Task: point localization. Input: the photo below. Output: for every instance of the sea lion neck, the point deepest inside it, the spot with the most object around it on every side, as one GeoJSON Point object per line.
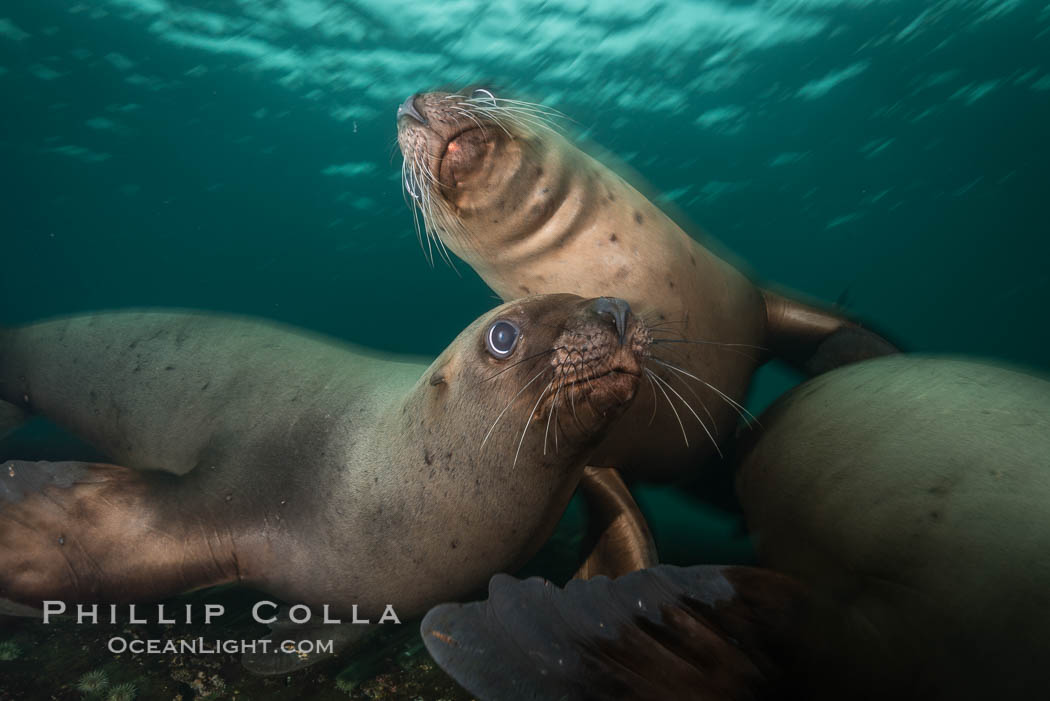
{"type": "Point", "coordinates": [539, 203]}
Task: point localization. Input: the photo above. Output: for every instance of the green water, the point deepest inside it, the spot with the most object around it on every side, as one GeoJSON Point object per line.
{"type": "Point", "coordinates": [239, 156]}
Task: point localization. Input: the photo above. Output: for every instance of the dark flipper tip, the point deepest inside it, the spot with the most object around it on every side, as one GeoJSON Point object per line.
{"type": "Point", "coordinates": [849, 344]}
{"type": "Point", "coordinates": [664, 633]}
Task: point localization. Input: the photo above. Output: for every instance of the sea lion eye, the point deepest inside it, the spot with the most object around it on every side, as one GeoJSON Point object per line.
{"type": "Point", "coordinates": [502, 338]}
{"type": "Point", "coordinates": [412, 185]}
{"type": "Point", "coordinates": [482, 94]}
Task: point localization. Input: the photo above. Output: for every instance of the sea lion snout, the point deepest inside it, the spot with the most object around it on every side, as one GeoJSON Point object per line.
{"type": "Point", "coordinates": [605, 329]}
{"type": "Point", "coordinates": [602, 352]}
{"type": "Point", "coordinates": [616, 309]}
{"type": "Point", "coordinates": [408, 109]}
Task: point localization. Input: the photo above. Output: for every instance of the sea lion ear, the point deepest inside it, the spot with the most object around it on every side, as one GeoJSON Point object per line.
{"type": "Point", "coordinates": [705, 632]}
{"type": "Point", "coordinates": [441, 372]}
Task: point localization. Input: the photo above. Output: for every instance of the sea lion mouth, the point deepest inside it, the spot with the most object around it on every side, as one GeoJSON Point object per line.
{"type": "Point", "coordinates": [452, 144]}
{"type": "Point", "coordinates": [455, 149]}
{"type": "Point", "coordinates": [599, 359]}
{"type": "Point", "coordinates": [601, 391]}
{"type": "Point", "coordinates": [606, 373]}
{"type": "Point", "coordinates": [430, 124]}
{"type": "Point", "coordinates": [575, 382]}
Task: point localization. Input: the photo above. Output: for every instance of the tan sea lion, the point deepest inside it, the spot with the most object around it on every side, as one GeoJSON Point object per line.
{"type": "Point", "coordinates": [532, 213]}
{"type": "Point", "coordinates": [319, 473]}
{"type": "Point", "coordinates": [904, 503]}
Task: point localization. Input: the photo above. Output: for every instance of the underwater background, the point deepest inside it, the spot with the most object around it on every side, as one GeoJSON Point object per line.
{"type": "Point", "coordinates": [889, 156]}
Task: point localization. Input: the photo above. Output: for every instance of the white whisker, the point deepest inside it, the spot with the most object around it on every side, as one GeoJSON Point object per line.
{"type": "Point", "coordinates": [740, 408]}
{"type": "Point", "coordinates": [528, 421]}
{"type": "Point", "coordinates": [550, 415]}
{"type": "Point", "coordinates": [655, 398]}
{"type": "Point", "coordinates": [692, 411]}
{"type": "Point", "coordinates": [680, 424]}
{"type": "Point", "coordinates": [512, 400]}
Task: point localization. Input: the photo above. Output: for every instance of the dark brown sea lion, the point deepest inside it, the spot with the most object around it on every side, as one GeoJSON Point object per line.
{"type": "Point", "coordinates": [319, 473]}
{"type": "Point", "coordinates": [905, 504]}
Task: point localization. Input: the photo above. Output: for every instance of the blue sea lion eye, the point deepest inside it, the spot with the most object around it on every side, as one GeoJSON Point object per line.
{"type": "Point", "coordinates": [483, 94]}
{"type": "Point", "coordinates": [502, 338]}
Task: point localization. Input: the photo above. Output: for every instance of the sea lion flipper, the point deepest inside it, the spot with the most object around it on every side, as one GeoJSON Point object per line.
{"type": "Point", "coordinates": [78, 531]}
{"type": "Point", "coordinates": [815, 340]}
{"type": "Point", "coordinates": [285, 633]}
{"type": "Point", "coordinates": [620, 541]}
{"type": "Point", "coordinates": [703, 632]}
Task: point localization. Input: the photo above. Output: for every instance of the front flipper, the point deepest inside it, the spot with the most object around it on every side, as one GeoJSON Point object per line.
{"type": "Point", "coordinates": [89, 532]}
{"type": "Point", "coordinates": [702, 632]}
{"type": "Point", "coordinates": [816, 341]}
{"type": "Point", "coordinates": [620, 535]}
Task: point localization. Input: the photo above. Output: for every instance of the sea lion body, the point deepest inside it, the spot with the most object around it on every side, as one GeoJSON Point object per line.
{"type": "Point", "coordinates": [913, 495]}
{"type": "Point", "coordinates": [313, 471]}
{"type": "Point", "coordinates": [531, 212]}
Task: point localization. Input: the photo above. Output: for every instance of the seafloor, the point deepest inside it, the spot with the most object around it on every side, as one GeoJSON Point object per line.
{"type": "Point", "coordinates": [50, 662]}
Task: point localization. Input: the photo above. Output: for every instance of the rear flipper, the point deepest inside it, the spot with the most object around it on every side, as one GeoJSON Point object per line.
{"type": "Point", "coordinates": [89, 532]}
{"type": "Point", "coordinates": [816, 341]}
{"type": "Point", "coordinates": [620, 541]}
{"type": "Point", "coordinates": [701, 632]}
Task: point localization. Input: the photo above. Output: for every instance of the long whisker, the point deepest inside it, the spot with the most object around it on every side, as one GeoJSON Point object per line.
{"type": "Point", "coordinates": [469, 115]}
{"type": "Point", "coordinates": [525, 359]}
{"type": "Point", "coordinates": [685, 437]}
{"type": "Point", "coordinates": [572, 400]}
{"type": "Point", "coordinates": [703, 405]}
{"type": "Point", "coordinates": [711, 343]}
{"type": "Point", "coordinates": [740, 408]}
{"type": "Point", "coordinates": [572, 397]}
{"type": "Point", "coordinates": [550, 415]}
{"type": "Point", "coordinates": [486, 112]}
{"type": "Point", "coordinates": [528, 421]}
{"type": "Point", "coordinates": [556, 418]}
{"type": "Point", "coordinates": [655, 398]}
{"type": "Point", "coordinates": [692, 411]}
{"type": "Point", "coordinates": [537, 111]}
{"type": "Point", "coordinates": [512, 400]}
{"type": "Point", "coordinates": [526, 120]}
{"type": "Point", "coordinates": [534, 106]}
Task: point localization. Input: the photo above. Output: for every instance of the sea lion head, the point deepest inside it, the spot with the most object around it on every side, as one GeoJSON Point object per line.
{"type": "Point", "coordinates": [475, 164]}
{"type": "Point", "coordinates": [542, 375]}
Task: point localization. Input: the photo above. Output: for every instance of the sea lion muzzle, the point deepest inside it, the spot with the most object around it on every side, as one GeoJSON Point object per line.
{"type": "Point", "coordinates": [616, 309]}
{"type": "Point", "coordinates": [408, 109]}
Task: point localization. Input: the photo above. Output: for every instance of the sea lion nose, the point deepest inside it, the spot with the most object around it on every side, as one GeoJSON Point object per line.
{"type": "Point", "coordinates": [618, 310]}
{"type": "Point", "coordinates": [408, 109]}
